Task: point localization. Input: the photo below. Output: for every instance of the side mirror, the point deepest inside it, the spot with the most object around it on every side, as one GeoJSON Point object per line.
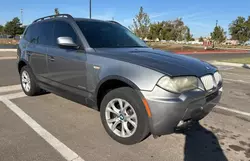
{"type": "Point", "coordinates": [66, 42]}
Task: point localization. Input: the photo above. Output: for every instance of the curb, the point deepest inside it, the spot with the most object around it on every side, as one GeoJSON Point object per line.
{"type": "Point", "coordinates": [231, 64]}
{"type": "Point", "coordinates": [8, 58]}
{"type": "Point", "coordinates": [8, 50]}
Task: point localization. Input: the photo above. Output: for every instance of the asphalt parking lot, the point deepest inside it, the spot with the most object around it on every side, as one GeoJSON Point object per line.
{"type": "Point", "coordinates": [51, 128]}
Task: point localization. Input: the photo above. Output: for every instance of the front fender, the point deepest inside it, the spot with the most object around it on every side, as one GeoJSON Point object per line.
{"type": "Point", "coordinates": [103, 68]}
{"type": "Point", "coordinates": [115, 77]}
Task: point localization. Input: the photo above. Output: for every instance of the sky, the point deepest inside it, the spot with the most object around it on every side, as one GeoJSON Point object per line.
{"type": "Point", "coordinates": [199, 15]}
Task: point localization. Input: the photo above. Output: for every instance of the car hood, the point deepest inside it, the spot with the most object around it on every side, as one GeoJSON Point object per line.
{"type": "Point", "coordinates": [165, 62]}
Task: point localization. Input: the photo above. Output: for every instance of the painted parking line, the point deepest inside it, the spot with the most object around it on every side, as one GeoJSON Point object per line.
{"type": "Point", "coordinates": [65, 151]}
{"type": "Point", "coordinates": [8, 57]}
{"type": "Point", "coordinates": [236, 80]}
{"type": "Point", "coordinates": [225, 68]}
{"type": "Point", "coordinates": [238, 75]}
{"type": "Point", "coordinates": [10, 88]}
{"type": "Point", "coordinates": [234, 111]}
{"type": "Point", "coordinates": [15, 95]}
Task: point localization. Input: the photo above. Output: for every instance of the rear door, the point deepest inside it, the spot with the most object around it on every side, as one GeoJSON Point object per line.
{"type": "Point", "coordinates": [67, 66]}
{"type": "Point", "coordinates": [37, 49]}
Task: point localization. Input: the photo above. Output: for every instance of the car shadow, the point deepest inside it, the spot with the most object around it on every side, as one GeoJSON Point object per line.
{"type": "Point", "coordinates": [201, 145]}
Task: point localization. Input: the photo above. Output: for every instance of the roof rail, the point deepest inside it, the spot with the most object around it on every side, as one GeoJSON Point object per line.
{"type": "Point", "coordinates": [112, 21]}
{"type": "Point", "coordinates": [53, 16]}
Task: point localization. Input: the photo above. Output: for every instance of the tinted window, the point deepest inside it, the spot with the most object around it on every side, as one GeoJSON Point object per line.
{"type": "Point", "coordinates": [34, 36]}
{"type": "Point", "coordinates": [27, 33]}
{"type": "Point", "coordinates": [108, 35]}
{"type": "Point", "coordinates": [30, 32]}
{"type": "Point", "coordinates": [45, 30]}
{"type": "Point", "coordinates": [63, 29]}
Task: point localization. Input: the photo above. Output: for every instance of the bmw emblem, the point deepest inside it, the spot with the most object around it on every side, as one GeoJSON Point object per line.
{"type": "Point", "coordinates": [121, 117]}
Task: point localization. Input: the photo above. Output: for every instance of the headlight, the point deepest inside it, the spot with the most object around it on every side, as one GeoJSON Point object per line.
{"type": "Point", "coordinates": [178, 84]}
{"type": "Point", "coordinates": [217, 77]}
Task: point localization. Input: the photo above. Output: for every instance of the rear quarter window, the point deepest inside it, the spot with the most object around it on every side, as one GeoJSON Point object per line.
{"type": "Point", "coordinates": [27, 33]}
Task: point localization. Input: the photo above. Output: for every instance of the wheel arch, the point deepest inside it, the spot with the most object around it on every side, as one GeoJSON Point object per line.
{"type": "Point", "coordinates": [21, 64]}
{"type": "Point", "coordinates": [110, 83]}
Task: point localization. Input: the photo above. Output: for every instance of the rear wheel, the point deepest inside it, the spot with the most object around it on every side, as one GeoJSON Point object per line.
{"type": "Point", "coordinates": [28, 82]}
{"type": "Point", "coordinates": [123, 116]}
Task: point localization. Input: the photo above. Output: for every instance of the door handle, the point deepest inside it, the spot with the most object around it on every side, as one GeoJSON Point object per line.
{"type": "Point", "coordinates": [51, 58]}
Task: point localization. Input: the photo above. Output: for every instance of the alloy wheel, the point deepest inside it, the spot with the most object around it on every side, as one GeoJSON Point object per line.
{"type": "Point", "coordinates": [26, 81]}
{"type": "Point", "coordinates": [121, 118]}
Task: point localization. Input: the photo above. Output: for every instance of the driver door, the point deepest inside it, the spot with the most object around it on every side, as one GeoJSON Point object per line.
{"type": "Point", "coordinates": [66, 66]}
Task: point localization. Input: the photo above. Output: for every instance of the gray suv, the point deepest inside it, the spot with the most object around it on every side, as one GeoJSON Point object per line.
{"type": "Point", "coordinates": [101, 64]}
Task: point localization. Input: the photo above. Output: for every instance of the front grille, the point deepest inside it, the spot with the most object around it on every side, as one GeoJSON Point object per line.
{"type": "Point", "coordinates": [208, 82]}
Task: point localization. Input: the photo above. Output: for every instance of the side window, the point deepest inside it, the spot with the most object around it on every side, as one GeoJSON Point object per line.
{"type": "Point", "coordinates": [46, 33]}
{"type": "Point", "coordinates": [27, 33]}
{"type": "Point", "coordinates": [34, 36]}
{"type": "Point", "coordinates": [63, 29]}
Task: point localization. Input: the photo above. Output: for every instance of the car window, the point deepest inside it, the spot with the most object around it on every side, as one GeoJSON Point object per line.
{"type": "Point", "coordinates": [27, 33]}
{"type": "Point", "coordinates": [45, 30]}
{"type": "Point", "coordinates": [108, 35]}
{"type": "Point", "coordinates": [30, 33]}
{"type": "Point", "coordinates": [63, 29]}
{"type": "Point", "coordinates": [34, 34]}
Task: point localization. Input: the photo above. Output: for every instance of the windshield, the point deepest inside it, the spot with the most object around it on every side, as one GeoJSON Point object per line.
{"type": "Point", "coordinates": [108, 35]}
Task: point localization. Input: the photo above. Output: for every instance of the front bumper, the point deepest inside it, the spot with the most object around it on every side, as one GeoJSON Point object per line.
{"type": "Point", "coordinates": [168, 109]}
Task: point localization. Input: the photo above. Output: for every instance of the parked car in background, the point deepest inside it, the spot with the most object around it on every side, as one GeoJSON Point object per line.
{"type": "Point", "coordinates": [138, 90]}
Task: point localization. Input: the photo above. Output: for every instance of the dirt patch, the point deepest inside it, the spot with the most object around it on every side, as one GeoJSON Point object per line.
{"type": "Point", "coordinates": [243, 143]}
{"type": "Point", "coordinates": [236, 148]}
{"type": "Point", "coordinates": [247, 153]}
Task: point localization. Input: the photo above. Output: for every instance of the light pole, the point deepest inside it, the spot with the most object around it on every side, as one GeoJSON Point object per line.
{"type": "Point", "coordinates": [21, 16]}
{"type": "Point", "coordinates": [90, 9]}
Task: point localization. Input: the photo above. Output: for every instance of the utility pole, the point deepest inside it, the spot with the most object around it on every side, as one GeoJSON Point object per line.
{"type": "Point", "coordinates": [21, 16]}
{"type": "Point", "coordinates": [90, 9]}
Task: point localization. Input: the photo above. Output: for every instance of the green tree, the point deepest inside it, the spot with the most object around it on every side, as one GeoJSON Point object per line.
{"type": "Point", "coordinates": [56, 10]}
{"type": "Point", "coordinates": [173, 30]}
{"type": "Point", "coordinates": [180, 29]}
{"type": "Point", "coordinates": [239, 29]}
{"type": "Point", "coordinates": [155, 31]}
{"type": "Point", "coordinates": [141, 24]}
{"type": "Point", "coordinates": [218, 35]}
{"type": "Point", "coordinates": [1, 29]}
{"type": "Point", "coordinates": [13, 27]}
{"type": "Point", "coordinates": [188, 35]}
{"type": "Point", "coordinates": [21, 30]}
{"type": "Point", "coordinates": [201, 39]}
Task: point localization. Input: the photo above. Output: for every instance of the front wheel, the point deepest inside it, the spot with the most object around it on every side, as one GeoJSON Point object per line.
{"type": "Point", "coordinates": [124, 116]}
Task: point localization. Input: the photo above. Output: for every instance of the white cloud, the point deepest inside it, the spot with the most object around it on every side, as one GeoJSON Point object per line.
{"type": "Point", "coordinates": [108, 14]}
{"type": "Point", "coordinates": [156, 15]}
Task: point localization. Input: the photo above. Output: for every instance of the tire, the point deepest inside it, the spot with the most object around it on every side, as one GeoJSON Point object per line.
{"type": "Point", "coordinates": [127, 120]}
{"type": "Point", "coordinates": [34, 88]}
